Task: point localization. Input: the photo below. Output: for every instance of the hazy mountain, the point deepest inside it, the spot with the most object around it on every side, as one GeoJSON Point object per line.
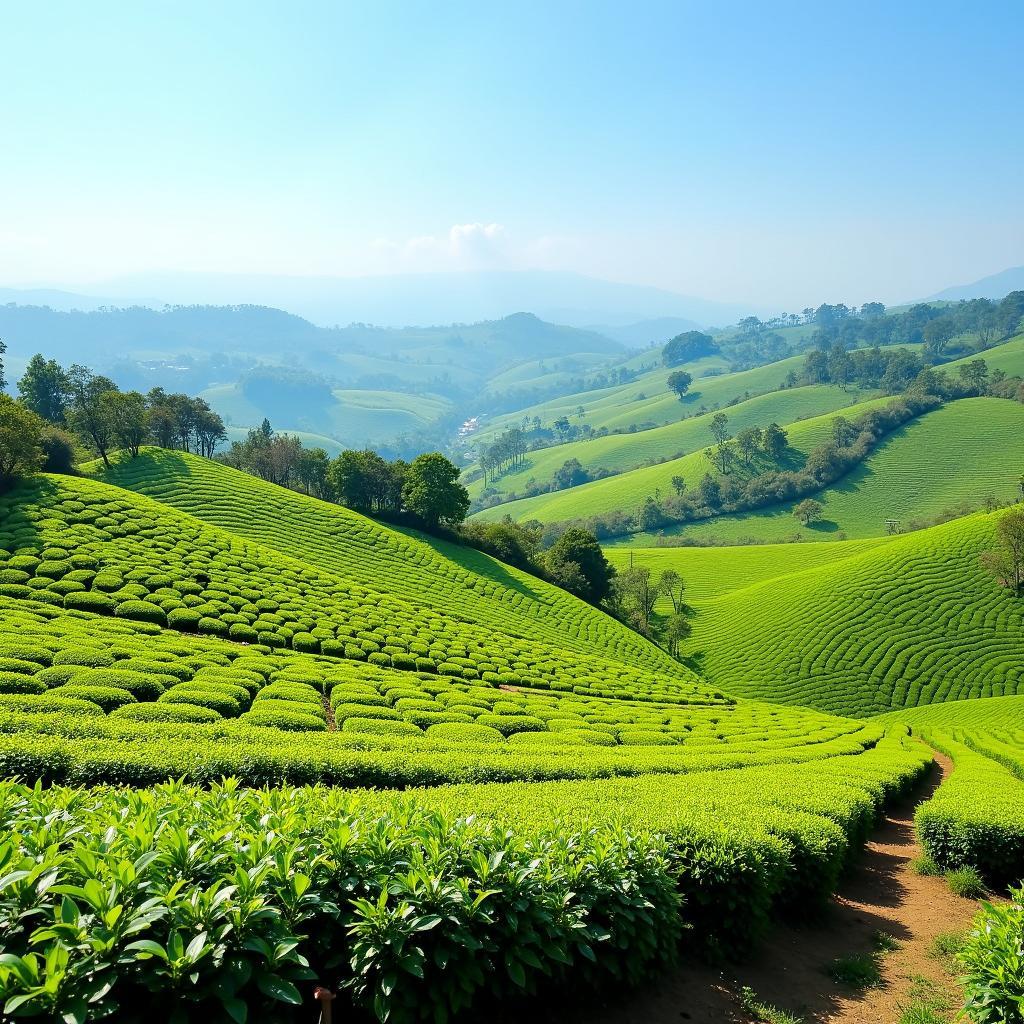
{"type": "Point", "coordinates": [358, 355]}
{"type": "Point", "coordinates": [995, 286]}
{"type": "Point", "coordinates": [647, 332]}
{"type": "Point", "coordinates": [66, 301]}
{"type": "Point", "coordinates": [440, 298]}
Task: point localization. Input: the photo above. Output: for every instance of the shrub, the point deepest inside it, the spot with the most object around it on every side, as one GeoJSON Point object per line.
{"type": "Point", "coordinates": [640, 738]}
{"type": "Point", "coordinates": [242, 633]}
{"type": "Point", "coordinates": [49, 704]}
{"type": "Point", "coordinates": [107, 697]}
{"type": "Point", "coordinates": [25, 651]}
{"type": "Point", "coordinates": [161, 712]}
{"type": "Point", "coordinates": [18, 665]}
{"type": "Point", "coordinates": [217, 700]}
{"type": "Point", "coordinates": [90, 601]}
{"type": "Point", "coordinates": [509, 724]}
{"type": "Point", "coordinates": [184, 619]}
{"type": "Point", "coordinates": [279, 715]}
{"type": "Point", "coordinates": [17, 682]}
{"type": "Point", "coordinates": [89, 657]}
{"type": "Point", "coordinates": [144, 611]}
{"type": "Point", "coordinates": [993, 964]}
{"type": "Point", "coordinates": [306, 642]}
{"type": "Point", "coordinates": [142, 687]}
{"type": "Point", "coordinates": [966, 882]}
{"type": "Point", "coordinates": [380, 726]}
{"type": "Point", "coordinates": [457, 732]}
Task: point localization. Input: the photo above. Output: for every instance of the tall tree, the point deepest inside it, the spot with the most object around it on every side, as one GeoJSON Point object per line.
{"type": "Point", "coordinates": [125, 411]}
{"type": "Point", "coordinates": [432, 490]}
{"type": "Point", "coordinates": [88, 416]}
{"type": "Point", "coordinates": [576, 562]}
{"type": "Point", "coordinates": [775, 441]}
{"type": "Point", "coordinates": [44, 388]}
{"type": "Point", "coordinates": [21, 432]}
{"type": "Point", "coordinates": [1006, 562]}
{"type": "Point", "coordinates": [679, 382]}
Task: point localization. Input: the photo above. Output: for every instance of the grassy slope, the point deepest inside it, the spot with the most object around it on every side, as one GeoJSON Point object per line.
{"type": "Point", "coordinates": [622, 452]}
{"type": "Point", "coordinates": [710, 572]}
{"type": "Point", "coordinates": [647, 400]}
{"type": "Point", "coordinates": [914, 621]}
{"type": "Point", "coordinates": [963, 452]}
{"type": "Point", "coordinates": [628, 490]}
{"type": "Point", "coordinates": [1008, 357]}
{"type": "Point", "coordinates": [356, 417]}
{"type": "Point", "coordinates": [459, 583]}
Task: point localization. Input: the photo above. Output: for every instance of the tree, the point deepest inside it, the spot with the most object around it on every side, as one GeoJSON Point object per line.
{"type": "Point", "coordinates": [88, 416]}
{"type": "Point", "coordinates": [636, 593]}
{"type": "Point", "coordinates": [672, 586]}
{"type": "Point", "coordinates": [709, 492]}
{"type": "Point", "coordinates": [678, 485]}
{"type": "Point", "coordinates": [3, 349]}
{"type": "Point", "coordinates": [126, 414]}
{"type": "Point", "coordinates": [576, 562]}
{"type": "Point", "coordinates": [570, 474]}
{"type": "Point", "coordinates": [1006, 562]}
{"type": "Point", "coordinates": [748, 442]}
{"type": "Point", "coordinates": [651, 515]}
{"type": "Point", "coordinates": [432, 490]}
{"type": "Point", "coordinates": [563, 426]}
{"type": "Point", "coordinates": [679, 381]}
{"type": "Point", "coordinates": [687, 346]}
{"type": "Point", "coordinates": [21, 432]}
{"type": "Point", "coordinates": [677, 628]}
{"type": "Point", "coordinates": [720, 427]}
{"type": "Point", "coordinates": [808, 511]}
{"type": "Point", "coordinates": [350, 480]}
{"type": "Point", "coordinates": [44, 388]}
{"type": "Point", "coordinates": [975, 375]}
{"type": "Point", "coordinates": [311, 471]}
{"type": "Point", "coordinates": [775, 441]}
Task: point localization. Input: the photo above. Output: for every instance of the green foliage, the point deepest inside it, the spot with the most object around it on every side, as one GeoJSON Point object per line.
{"type": "Point", "coordinates": [21, 434]}
{"type": "Point", "coordinates": [993, 962]}
{"type": "Point", "coordinates": [432, 490]}
{"type": "Point", "coordinates": [966, 882]}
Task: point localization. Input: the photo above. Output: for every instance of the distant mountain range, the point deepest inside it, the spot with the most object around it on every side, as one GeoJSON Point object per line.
{"type": "Point", "coordinates": [995, 286]}
{"type": "Point", "coordinates": [400, 300]}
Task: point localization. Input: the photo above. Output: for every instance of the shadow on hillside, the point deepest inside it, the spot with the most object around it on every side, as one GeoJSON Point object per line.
{"type": "Point", "coordinates": [22, 528]}
{"type": "Point", "coordinates": [822, 526]}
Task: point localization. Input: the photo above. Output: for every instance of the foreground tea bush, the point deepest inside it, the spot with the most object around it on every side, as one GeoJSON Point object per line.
{"type": "Point", "coordinates": [976, 818]}
{"type": "Point", "coordinates": [414, 913]}
{"type": "Point", "coordinates": [993, 962]}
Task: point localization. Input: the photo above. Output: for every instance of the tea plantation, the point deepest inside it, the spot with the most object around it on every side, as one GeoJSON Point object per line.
{"type": "Point", "coordinates": [252, 740]}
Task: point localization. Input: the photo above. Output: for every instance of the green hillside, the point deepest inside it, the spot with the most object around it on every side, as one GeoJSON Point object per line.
{"type": "Point", "coordinates": [628, 490]}
{"type": "Point", "coordinates": [914, 621]}
{"type": "Point", "coordinates": [963, 452]}
{"type": "Point", "coordinates": [622, 452]}
{"type": "Point", "coordinates": [647, 402]}
{"type": "Point", "coordinates": [353, 418]}
{"type": "Point", "coordinates": [713, 571]}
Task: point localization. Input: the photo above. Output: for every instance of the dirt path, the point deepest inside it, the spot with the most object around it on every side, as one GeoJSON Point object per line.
{"type": "Point", "coordinates": [791, 968]}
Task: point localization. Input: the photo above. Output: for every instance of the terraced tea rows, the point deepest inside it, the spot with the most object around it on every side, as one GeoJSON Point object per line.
{"type": "Point", "coordinates": [713, 571]}
{"type": "Point", "coordinates": [84, 545]}
{"type": "Point", "coordinates": [458, 583]}
{"type": "Point", "coordinates": [603, 894]}
{"type": "Point", "coordinates": [915, 621]}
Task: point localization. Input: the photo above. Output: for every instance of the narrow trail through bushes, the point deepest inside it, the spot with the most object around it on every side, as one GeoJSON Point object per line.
{"type": "Point", "coordinates": [790, 969]}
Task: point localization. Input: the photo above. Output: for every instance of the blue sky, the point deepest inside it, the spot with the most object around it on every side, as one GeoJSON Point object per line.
{"type": "Point", "coordinates": [769, 152]}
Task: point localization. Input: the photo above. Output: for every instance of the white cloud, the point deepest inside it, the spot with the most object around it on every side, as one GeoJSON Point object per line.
{"type": "Point", "coordinates": [475, 246]}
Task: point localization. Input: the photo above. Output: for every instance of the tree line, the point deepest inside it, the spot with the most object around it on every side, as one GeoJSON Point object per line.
{"type": "Point", "coordinates": [58, 410]}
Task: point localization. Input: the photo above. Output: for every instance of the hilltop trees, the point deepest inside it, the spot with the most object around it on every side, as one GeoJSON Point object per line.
{"type": "Point", "coordinates": [88, 415]}
{"type": "Point", "coordinates": [432, 491]}
{"type": "Point", "coordinates": [679, 382]}
{"type": "Point", "coordinates": [1006, 562]}
{"type": "Point", "coordinates": [808, 511]}
{"type": "Point", "coordinates": [44, 388]}
{"type": "Point", "coordinates": [577, 564]}
{"type": "Point", "coordinates": [688, 346]}
{"type": "Point", "coordinates": [21, 432]}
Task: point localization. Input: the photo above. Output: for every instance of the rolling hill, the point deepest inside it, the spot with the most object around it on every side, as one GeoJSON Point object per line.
{"type": "Point", "coordinates": [960, 454]}
{"type": "Point", "coordinates": [628, 490]}
{"type": "Point", "coordinates": [619, 453]}
{"type": "Point", "coordinates": [913, 621]}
